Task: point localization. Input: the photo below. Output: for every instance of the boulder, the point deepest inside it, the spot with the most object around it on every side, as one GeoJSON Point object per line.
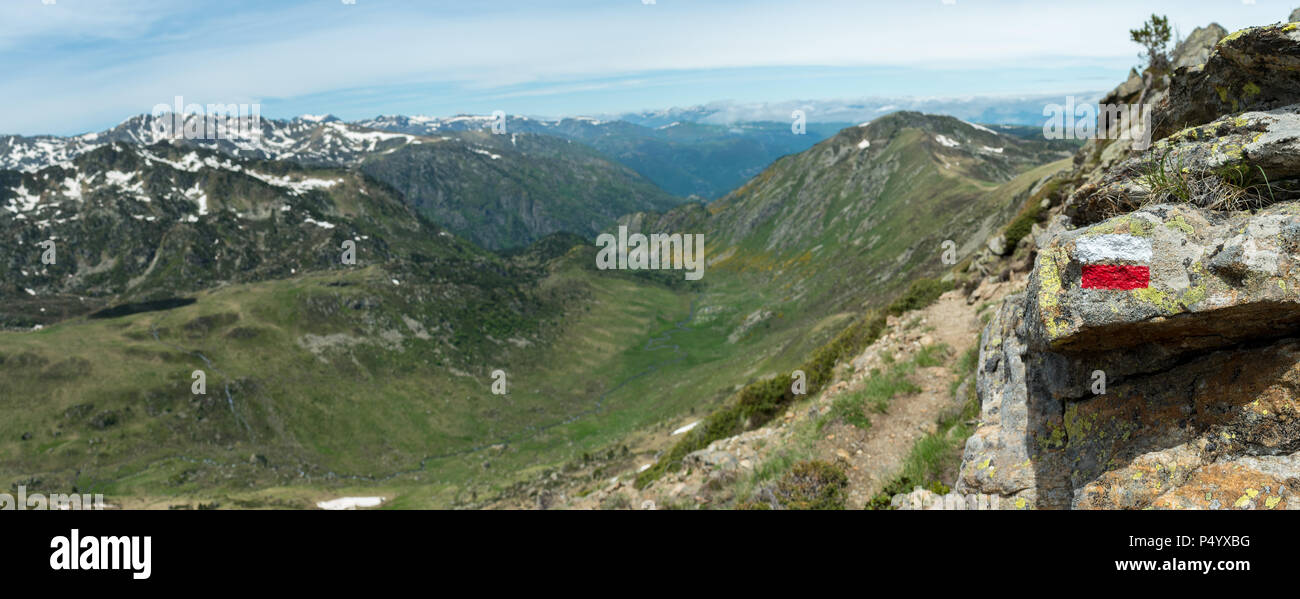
{"type": "Point", "coordinates": [1252, 69]}
{"type": "Point", "coordinates": [1215, 279]}
{"type": "Point", "coordinates": [997, 245]}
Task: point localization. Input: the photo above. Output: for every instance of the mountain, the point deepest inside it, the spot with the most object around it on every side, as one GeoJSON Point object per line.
{"type": "Point", "coordinates": [199, 334]}
{"type": "Point", "coordinates": [1024, 110]}
{"type": "Point", "coordinates": [325, 378]}
{"type": "Point", "coordinates": [496, 191]}
{"type": "Point", "coordinates": [503, 191]}
{"type": "Point", "coordinates": [685, 158]}
{"type": "Point", "coordinates": [138, 224]}
{"type": "Point", "coordinates": [870, 207]}
{"type": "Point", "coordinates": [804, 261]}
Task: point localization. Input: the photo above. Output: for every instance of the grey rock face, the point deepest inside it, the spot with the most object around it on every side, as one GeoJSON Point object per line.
{"type": "Point", "coordinates": [1252, 69]}
{"type": "Point", "coordinates": [1196, 48]}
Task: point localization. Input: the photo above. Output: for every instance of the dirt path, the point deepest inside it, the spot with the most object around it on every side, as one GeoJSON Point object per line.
{"type": "Point", "coordinates": [876, 455]}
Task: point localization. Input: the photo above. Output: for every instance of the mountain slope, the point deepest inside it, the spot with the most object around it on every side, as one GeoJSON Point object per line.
{"type": "Point", "coordinates": [803, 255]}
{"type": "Point", "coordinates": [498, 191]}
{"type": "Point", "coordinates": [504, 191]}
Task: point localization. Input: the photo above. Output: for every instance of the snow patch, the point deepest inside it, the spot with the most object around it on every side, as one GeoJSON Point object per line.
{"type": "Point", "coordinates": [319, 223]}
{"type": "Point", "coordinates": [686, 429]}
{"type": "Point", "coordinates": [350, 503]}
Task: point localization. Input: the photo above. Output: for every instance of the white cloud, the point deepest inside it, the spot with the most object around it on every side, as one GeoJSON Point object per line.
{"type": "Point", "coordinates": [144, 53]}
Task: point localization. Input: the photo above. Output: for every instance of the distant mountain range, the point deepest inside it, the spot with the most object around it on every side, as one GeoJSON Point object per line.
{"type": "Point", "coordinates": [1007, 110]}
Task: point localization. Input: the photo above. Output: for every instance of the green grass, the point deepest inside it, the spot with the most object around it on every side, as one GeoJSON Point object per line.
{"type": "Point", "coordinates": [932, 462]}
{"type": "Point", "coordinates": [880, 388]}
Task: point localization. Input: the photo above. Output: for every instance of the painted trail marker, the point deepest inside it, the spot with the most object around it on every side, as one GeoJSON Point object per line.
{"type": "Point", "coordinates": [1114, 261]}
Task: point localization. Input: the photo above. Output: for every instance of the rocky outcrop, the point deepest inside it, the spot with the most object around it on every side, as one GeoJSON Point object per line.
{"type": "Point", "coordinates": [1181, 392]}
{"type": "Point", "coordinates": [1195, 50]}
{"type": "Point", "coordinates": [1153, 360]}
{"type": "Point", "coordinates": [1241, 160]}
{"type": "Point", "coordinates": [1253, 69]}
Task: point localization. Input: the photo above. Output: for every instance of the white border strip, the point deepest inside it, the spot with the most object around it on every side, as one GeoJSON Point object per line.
{"type": "Point", "coordinates": [1098, 248]}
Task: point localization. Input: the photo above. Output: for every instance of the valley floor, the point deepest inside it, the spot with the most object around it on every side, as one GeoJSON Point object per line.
{"type": "Point", "coordinates": [897, 413]}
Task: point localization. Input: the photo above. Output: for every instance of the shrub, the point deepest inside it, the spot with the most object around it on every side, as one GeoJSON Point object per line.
{"type": "Point", "coordinates": [812, 485]}
{"type": "Point", "coordinates": [920, 294]}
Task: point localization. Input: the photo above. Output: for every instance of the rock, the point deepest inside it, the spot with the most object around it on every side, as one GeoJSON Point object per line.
{"type": "Point", "coordinates": [1252, 69]}
{"type": "Point", "coordinates": [710, 459]}
{"type": "Point", "coordinates": [997, 244]}
{"type": "Point", "coordinates": [1215, 279]}
{"type": "Point", "coordinates": [922, 499]}
{"type": "Point", "coordinates": [27, 437]}
{"type": "Point", "coordinates": [1243, 150]}
{"type": "Point", "coordinates": [997, 459]}
{"type": "Point", "coordinates": [1127, 89]}
{"type": "Point", "coordinates": [1295, 16]}
{"type": "Point", "coordinates": [1201, 406]}
{"type": "Point", "coordinates": [1196, 48]}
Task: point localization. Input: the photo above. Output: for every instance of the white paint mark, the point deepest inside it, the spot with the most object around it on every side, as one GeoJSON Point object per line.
{"type": "Point", "coordinates": [1098, 248]}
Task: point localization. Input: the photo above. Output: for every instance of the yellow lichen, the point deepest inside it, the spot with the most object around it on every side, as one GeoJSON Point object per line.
{"type": "Point", "coordinates": [1049, 289]}
{"type": "Point", "coordinates": [1234, 35]}
{"type": "Point", "coordinates": [1178, 222]}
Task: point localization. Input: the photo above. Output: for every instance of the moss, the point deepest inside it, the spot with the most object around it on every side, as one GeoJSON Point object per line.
{"type": "Point", "coordinates": [1056, 440]}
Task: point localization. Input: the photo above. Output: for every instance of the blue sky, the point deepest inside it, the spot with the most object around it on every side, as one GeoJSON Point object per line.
{"type": "Point", "coordinates": [85, 65]}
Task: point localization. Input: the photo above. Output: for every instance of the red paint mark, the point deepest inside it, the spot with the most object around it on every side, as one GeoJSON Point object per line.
{"type": "Point", "coordinates": [1115, 276]}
